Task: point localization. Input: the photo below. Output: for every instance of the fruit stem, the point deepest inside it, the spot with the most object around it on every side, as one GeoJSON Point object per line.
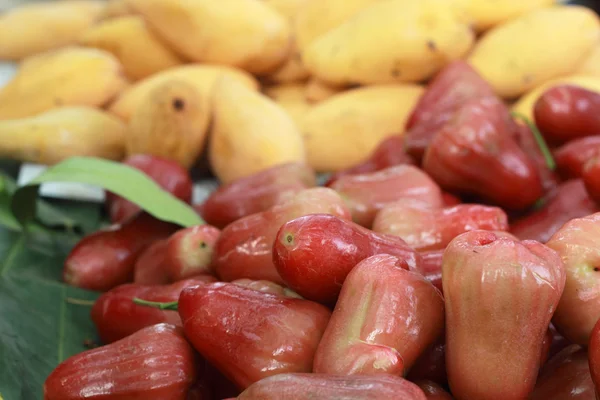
{"type": "Point", "coordinates": [80, 302]}
{"type": "Point", "coordinates": [156, 304]}
{"type": "Point", "coordinates": [538, 205]}
{"type": "Point", "coordinates": [539, 139]}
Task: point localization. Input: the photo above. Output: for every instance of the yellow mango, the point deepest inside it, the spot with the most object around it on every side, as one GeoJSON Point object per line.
{"type": "Point", "coordinates": [591, 64]}
{"type": "Point", "coordinates": [64, 132]}
{"type": "Point", "coordinates": [316, 90]}
{"type": "Point", "coordinates": [202, 77]}
{"type": "Point", "coordinates": [292, 69]}
{"type": "Point", "coordinates": [526, 103]}
{"type": "Point", "coordinates": [172, 122]}
{"type": "Point", "coordinates": [287, 8]}
{"type": "Point", "coordinates": [541, 45]}
{"type": "Point", "coordinates": [37, 27]}
{"type": "Point", "coordinates": [250, 132]}
{"type": "Point", "coordinates": [137, 48]}
{"type": "Point", "coordinates": [290, 97]}
{"type": "Point", "coordinates": [391, 41]}
{"type": "Point", "coordinates": [345, 129]}
{"type": "Point", "coordinates": [117, 8]}
{"type": "Point", "coordinates": [68, 76]}
{"type": "Point", "coordinates": [317, 17]}
{"type": "Point", "coordinates": [247, 34]}
{"type": "Point", "coordinates": [484, 14]}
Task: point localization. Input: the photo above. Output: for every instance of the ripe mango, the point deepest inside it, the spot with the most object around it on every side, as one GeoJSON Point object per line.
{"type": "Point", "coordinates": [64, 132]}
{"type": "Point", "coordinates": [247, 34]}
{"type": "Point", "coordinates": [172, 123]}
{"type": "Point", "coordinates": [38, 27]}
{"type": "Point", "coordinates": [66, 77]}
{"type": "Point", "coordinates": [250, 133]}
{"type": "Point", "coordinates": [346, 128]}
{"type": "Point", "coordinates": [137, 48]}
{"type": "Point", "coordinates": [202, 76]}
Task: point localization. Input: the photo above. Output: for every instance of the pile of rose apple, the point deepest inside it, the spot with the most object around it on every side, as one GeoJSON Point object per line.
{"type": "Point", "coordinates": [460, 261]}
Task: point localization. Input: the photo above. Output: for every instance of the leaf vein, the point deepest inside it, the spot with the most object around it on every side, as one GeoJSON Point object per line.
{"type": "Point", "coordinates": [12, 254]}
{"type": "Point", "coordinates": [61, 324]}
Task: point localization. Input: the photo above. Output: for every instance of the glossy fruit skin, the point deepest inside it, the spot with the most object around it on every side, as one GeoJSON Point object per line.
{"type": "Point", "coordinates": [572, 157]}
{"type": "Point", "coordinates": [168, 174]}
{"type": "Point", "coordinates": [431, 267]}
{"type": "Point", "coordinates": [567, 112]}
{"type": "Point", "coordinates": [591, 179]}
{"type": "Point", "coordinates": [244, 249]}
{"type": "Point", "coordinates": [452, 87]}
{"type": "Point", "coordinates": [389, 153]}
{"type": "Point", "coordinates": [105, 259]}
{"type": "Point", "coordinates": [569, 200]}
{"type": "Point", "coordinates": [256, 193]}
{"type": "Point", "coordinates": [189, 252]}
{"type": "Point", "coordinates": [366, 194]}
{"type": "Point", "coordinates": [522, 283]}
{"type": "Point", "coordinates": [565, 377]}
{"type": "Point", "coordinates": [299, 386]}
{"type": "Point", "coordinates": [578, 244]}
{"type": "Point", "coordinates": [594, 357]}
{"type": "Point", "coordinates": [385, 317]}
{"type": "Point", "coordinates": [149, 268]}
{"type": "Point", "coordinates": [475, 153]}
{"type": "Point", "coordinates": [116, 316]}
{"type": "Point", "coordinates": [249, 335]}
{"type": "Point", "coordinates": [526, 140]}
{"type": "Point", "coordinates": [431, 365]}
{"type": "Point", "coordinates": [424, 229]}
{"type": "Point", "coordinates": [433, 391]}
{"type": "Point", "coordinates": [315, 253]}
{"type": "Point", "coordinates": [267, 287]}
{"type": "Point", "coordinates": [120, 371]}
{"type": "Point", "coordinates": [546, 343]}
{"type": "Point", "coordinates": [431, 263]}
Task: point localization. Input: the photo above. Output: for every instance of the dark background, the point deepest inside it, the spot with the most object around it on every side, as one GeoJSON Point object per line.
{"type": "Point", "coordinates": [595, 4]}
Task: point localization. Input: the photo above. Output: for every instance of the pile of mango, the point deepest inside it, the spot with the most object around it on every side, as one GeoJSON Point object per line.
{"type": "Point", "coordinates": [249, 84]}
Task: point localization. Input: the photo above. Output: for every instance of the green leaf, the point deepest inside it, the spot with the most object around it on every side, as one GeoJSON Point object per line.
{"type": "Point", "coordinates": [115, 177]}
{"type": "Point", "coordinates": [73, 216]}
{"type": "Point", "coordinates": [7, 219]}
{"type": "Point", "coordinates": [42, 320]}
{"type": "Point", "coordinates": [70, 215]}
{"type": "Point", "coordinates": [40, 324]}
